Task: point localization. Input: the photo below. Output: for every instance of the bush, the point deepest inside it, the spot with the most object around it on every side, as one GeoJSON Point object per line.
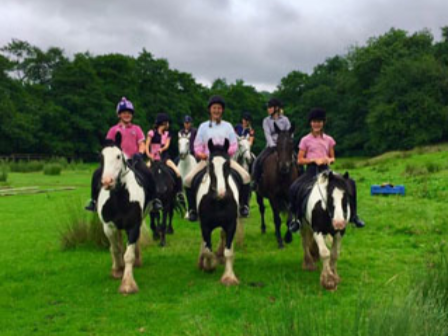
{"type": "Point", "coordinates": [433, 167]}
{"type": "Point", "coordinates": [52, 169]}
{"type": "Point", "coordinates": [26, 166]}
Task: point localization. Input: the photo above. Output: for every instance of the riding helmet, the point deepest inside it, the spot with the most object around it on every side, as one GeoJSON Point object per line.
{"type": "Point", "coordinates": [274, 102]}
{"type": "Point", "coordinates": [246, 116]}
{"type": "Point", "coordinates": [317, 113]}
{"type": "Point", "coordinates": [125, 105]}
{"type": "Point", "coordinates": [161, 118]}
{"type": "Point", "coordinates": [216, 100]}
{"type": "Point", "coordinates": [188, 119]}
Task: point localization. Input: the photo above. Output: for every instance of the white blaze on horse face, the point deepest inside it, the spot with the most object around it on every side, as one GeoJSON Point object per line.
{"type": "Point", "coordinates": [112, 165]}
{"type": "Point", "coordinates": [184, 146]}
{"type": "Point", "coordinates": [338, 220]}
{"type": "Point", "coordinates": [218, 163]}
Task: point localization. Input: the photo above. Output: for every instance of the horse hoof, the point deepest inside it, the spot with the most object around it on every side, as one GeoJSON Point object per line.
{"type": "Point", "coordinates": [328, 282]}
{"type": "Point", "coordinates": [288, 237]}
{"type": "Point", "coordinates": [230, 281]}
{"type": "Point", "coordinates": [117, 273]}
{"type": "Point", "coordinates": [128, 287]}
{"type": "Point", "coordinates": [310, 267]}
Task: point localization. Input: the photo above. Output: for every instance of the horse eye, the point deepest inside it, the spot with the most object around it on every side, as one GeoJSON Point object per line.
{"type": "Point", "coordinates": [118, 157]}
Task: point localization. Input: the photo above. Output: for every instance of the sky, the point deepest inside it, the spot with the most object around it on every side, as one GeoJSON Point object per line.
{"type": "Point", "coordinates": [258, 41]}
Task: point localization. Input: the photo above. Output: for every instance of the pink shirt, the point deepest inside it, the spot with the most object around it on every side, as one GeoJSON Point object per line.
{"type": "Point", "coordinates": [316, 147]}
{"type": "Point", "coordinates": [131, 137]}
{"type": "Point", "coordinates": [156, 145]}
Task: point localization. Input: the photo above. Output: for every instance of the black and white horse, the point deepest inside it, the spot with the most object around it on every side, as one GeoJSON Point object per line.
{"type": "Point", "coordinates": [122, 205]}
{"type": "Point", "coordinates": [325, 218]}
{"type": "Point", "coordinates": [217, 199]}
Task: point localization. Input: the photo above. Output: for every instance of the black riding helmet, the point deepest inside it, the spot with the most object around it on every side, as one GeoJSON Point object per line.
{"type": "Point", "coordinates": [317, 113]}
{"type": "Point", "coordinates": [216, 100]}
{"type": "Point", "coordinates": [274, 102]}
{"type": "Point", "coordinates": [162, 118]}
{"type": "Point", "coordinates": [246, 116]}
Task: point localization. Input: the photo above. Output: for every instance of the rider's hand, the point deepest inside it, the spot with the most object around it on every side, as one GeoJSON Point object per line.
{"type": "Point", "coordinates": [202, 156]}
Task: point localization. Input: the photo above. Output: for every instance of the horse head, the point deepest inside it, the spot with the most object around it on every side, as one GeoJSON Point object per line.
{"type": "Point", "coordinates": [219, 169]}
{"type": "Point", "coordinates": [184, 146]}
{"type": "Point", "coordinates": [113, 162]}
{"type": "Point", "coordinates": [285, 149]}
{"type": "Point", "coordinates": [243, 152]}
{"type": "Point", "coordinates": [338, 199]}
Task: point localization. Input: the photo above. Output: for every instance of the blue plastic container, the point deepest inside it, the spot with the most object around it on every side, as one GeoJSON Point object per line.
{"type": "Point", "coordinates": [387, 190]}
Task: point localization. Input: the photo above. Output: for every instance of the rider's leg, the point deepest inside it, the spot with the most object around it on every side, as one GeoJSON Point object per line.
{"type": "Point", "coordinates": [359, 223]}
{"type": "Point", "coordinates": [191, 197]}
{"type": "Point", "coordinates": [297, 194]}
{"type": "Point", "coordinates": [179, 193]}
{"type": "Point", "coordinates": [257, 169]}
{"type": "Point", "coordinates": [244, 198]}
{"type": "Point", "coordinates": [95, 190]}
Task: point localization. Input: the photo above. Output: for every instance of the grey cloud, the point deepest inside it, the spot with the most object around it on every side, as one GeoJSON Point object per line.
{"type": "Point", "coordinates": [258, 41]}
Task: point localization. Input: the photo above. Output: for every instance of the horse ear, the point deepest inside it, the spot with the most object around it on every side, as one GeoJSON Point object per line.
{"type": "Point", "coordinates": [346, 175]}
{"type": "Point", "coordinates": [292, 128]}
{"type": "Point", "coordinates": [277, 129]}
{"type": "Point", "coordinates": [330, 175]}
{"type": "Point", "coordinates": [101, 138]}
{"type": "Point", "coordinates": [226, 145]}
{"type": "Point", "coordinates": [211, 146]}
{"type": "Point", "coordinates": [118, 139]}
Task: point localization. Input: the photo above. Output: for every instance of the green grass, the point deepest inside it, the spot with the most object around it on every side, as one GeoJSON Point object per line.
{"type": "Point", "coordinates": [45, 289]}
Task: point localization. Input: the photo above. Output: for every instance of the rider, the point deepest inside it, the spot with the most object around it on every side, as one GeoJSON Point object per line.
{"type": "Point", "coordinates": [217, 130]}
{"type": "Point", "coordinates": [316, 151]}
{"type": "Point", "coordinates": [245, 128]}
{"type": "Point", "coordinates": [157, 145]}
{"type": "Point", "coordinates": [132, 144]}
{"type": "Point", "coordinates": [189, 131]}
{"type": "Point", "coordinates": [274, 107]}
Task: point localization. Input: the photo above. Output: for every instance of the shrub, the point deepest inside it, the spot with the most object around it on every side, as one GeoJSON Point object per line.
{"type": "Point", "coordinates": [26, 166]}
{"type": "Point", "coordinates": [3, 172]}
{"type": "Point", "coordinates": [52, 169]}
{"type": "Point", "coordinates": [433, 167]}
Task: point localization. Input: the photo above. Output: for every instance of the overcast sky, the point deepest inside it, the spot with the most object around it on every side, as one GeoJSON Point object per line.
{"type": "Point", "coordinates": [254, 40]}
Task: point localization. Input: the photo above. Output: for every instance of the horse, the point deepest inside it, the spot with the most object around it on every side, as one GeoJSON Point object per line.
{"type": "Point", "coordinates": [186, 160]}
{"type": "Point", "coordinates": [123, 204]}
{"type": "Point", "coordinates": [279, 172]}
{"type": "Point", "coordinates": [243, 155]}
{"type": "Point", "coordinates": [326, 216]}
{"type": "Point", "coordinates": [217, 198]}
{"type": "Point", "coordinates": [165, 186]}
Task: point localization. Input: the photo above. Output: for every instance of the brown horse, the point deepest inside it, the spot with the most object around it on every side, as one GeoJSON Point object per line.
{"type": "Point", "coordinates": [279, 172]}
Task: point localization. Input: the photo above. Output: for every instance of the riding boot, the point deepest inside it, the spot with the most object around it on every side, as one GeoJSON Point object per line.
{"type": "Point", "coordinates": [359, 223]}
{"type": "Point", "coordinates": [179, 191]}
{"type": "Point", "coordinates": [244, 200]}
{"type": "Point", "coordinates": [191, 198]}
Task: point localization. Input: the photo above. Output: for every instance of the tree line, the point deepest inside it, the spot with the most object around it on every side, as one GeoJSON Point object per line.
{"type": "Point", "coordinates": [391, 93]}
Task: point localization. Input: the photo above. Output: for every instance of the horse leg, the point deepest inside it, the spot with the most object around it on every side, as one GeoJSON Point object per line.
{"type": "Point", "coordinates": [262, 209]}
{"type": "Point", "coordinates": [335, 249]}
{"type": "Point", "coordinates": [170, 229]}
{"type": "Point", "coordinates": [138, 255]}
{"type": "Point", "coordinates": [155, 233]}
{"type": "Point", "coordinates": [115, 251]}
{"type": "Point", "coordinates": [163, 228]}
{"type": "Point", "coordinates": [220, 251]}
{"type": "Point", "coordinates": [128, 284]}
{"type": "Point", "coordinates": [288, 234]}
{"type": "Point", "coordinates": [207, 259]}
{"type": "Point", "coordinates": [307, 241]}
{"type": "Point", "coordinates": [229, 278]}
{"type": "Point", "coordinates": [327, 278]}
{"type": "Point", "coordinates": [277, 222]}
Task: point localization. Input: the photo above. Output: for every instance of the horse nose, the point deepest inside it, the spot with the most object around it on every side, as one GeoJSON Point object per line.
{"type": "Point", "coordinates": [221, 194]}
{"type": "Point", "coordinates": [107, 182]}
{"type": "Point", "coordinates": [339, 224]}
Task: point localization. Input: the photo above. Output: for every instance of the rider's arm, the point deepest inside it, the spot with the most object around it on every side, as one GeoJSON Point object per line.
{"type": "Point", "coordinates": [331, 157]}
{"type": "Point", "coordinates": [148, 146]}
{"type": "Point", "coordinates": [141, 141]}
{"type": "Point", "coordinates": [302, 160]}
{"type": "Point", "coordinates": [199, 149]}
{"type": "Point", "coordinates": [267, 133]}
{"type": "Point", "coordinates": [251, 137]}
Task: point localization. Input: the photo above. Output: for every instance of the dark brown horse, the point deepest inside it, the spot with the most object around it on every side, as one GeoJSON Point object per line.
{"type": "Point", "coordinates": [279, 172]}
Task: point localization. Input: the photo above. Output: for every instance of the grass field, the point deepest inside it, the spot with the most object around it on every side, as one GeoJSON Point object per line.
{"type": "Point", "coordinates": [45, 289]}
